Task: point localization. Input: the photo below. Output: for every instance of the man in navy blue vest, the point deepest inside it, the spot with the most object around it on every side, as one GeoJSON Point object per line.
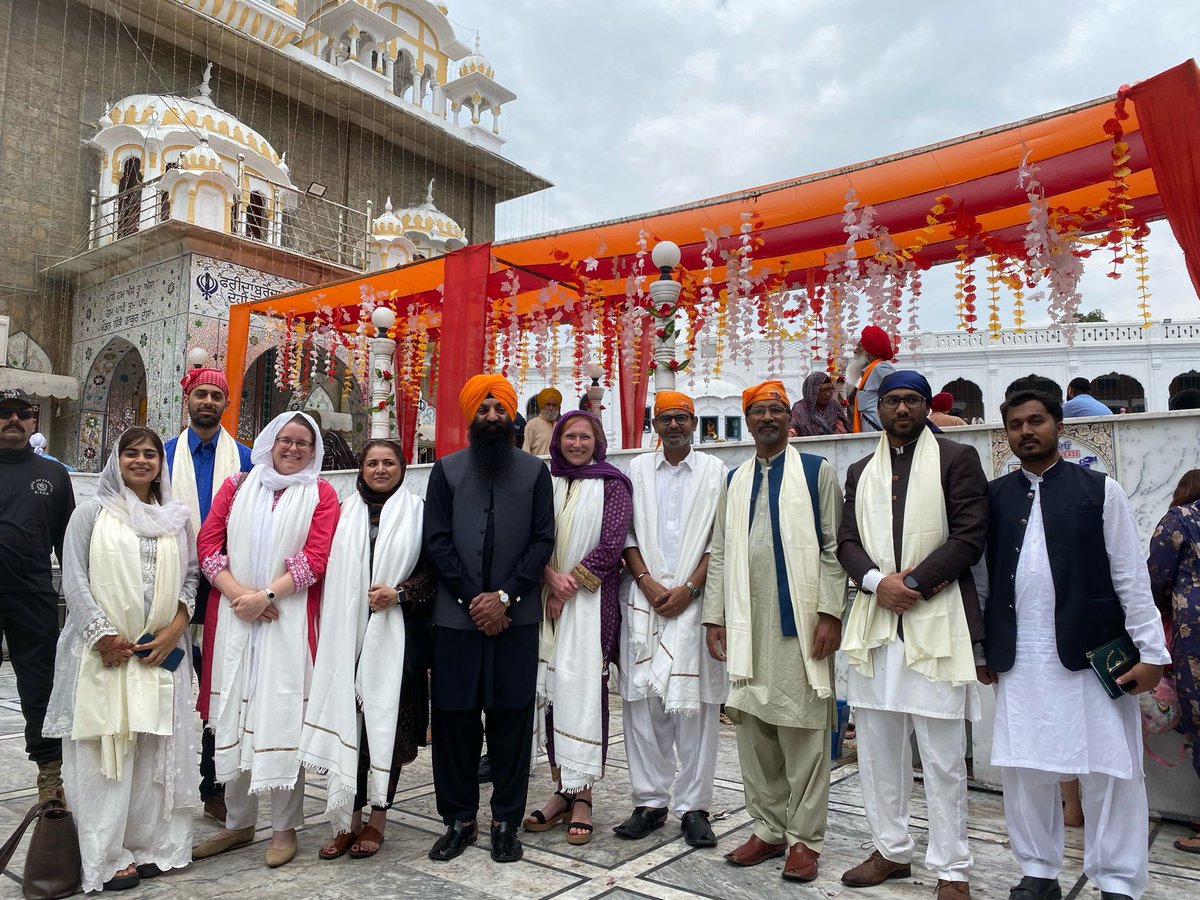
{"type": "Point", "coordinates": [1066, 575]}
{"type": "Point", "coordinates": [489, 532]}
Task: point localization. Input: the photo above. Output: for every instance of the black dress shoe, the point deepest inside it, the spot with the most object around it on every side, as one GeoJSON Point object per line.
{"type": "Point", "coordinates": [696, 830]}
{"type": "Point", "coordinates": [458, 837]}
{"type": "Point", "coordinates": [506, 846]}
{"type": "Point", "coordinates": [148, 870]}
{"type": "Point", "coordinates": [1031, 888]}
{"type": "Point", "coordinates": [485, 769]}
{"type": "Point", "coordinates": [641, 822]}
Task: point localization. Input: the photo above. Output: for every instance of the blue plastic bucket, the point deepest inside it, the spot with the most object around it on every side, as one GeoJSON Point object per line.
{"type": "Point", "coordinates": [839, 729]}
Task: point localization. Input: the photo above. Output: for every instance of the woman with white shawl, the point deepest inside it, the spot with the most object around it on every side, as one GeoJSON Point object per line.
{"type": "Point", "coordinates": [123, 675]}
{"type": "Point", "coordinates": [593, 505]}
{"type": "Point", "coordinates": [264, 548]}
{"type": "Point", "coordinates": [368, 708]}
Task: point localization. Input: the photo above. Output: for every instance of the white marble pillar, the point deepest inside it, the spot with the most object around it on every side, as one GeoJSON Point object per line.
{"type": "Point", "coordinates": [383, 359]}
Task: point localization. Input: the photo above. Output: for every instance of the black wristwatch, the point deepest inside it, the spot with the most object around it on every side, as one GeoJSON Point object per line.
{"type": "Point", "coordinates": [696, 592]}
{"type": "Point", "coordinates": [911, 583]}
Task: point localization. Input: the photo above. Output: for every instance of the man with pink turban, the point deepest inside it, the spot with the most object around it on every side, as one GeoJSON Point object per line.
{"type": "Point", "coordinates": [489, 532]}
{"type": "Point", "coordinates": [871, 364]}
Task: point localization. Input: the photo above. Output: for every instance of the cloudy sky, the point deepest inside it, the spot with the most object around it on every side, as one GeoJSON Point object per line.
{"type": "Point", "coordinates": [630, 106]}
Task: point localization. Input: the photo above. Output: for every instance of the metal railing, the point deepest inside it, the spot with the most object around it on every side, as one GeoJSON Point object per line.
{"type": "Point", "coordinates": [266, 212]}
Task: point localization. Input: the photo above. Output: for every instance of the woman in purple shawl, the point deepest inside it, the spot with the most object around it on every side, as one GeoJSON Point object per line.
{"type": "Point", "coordinates": [593, 504]}
{"type": "Point", "coordinates": [817, 411]}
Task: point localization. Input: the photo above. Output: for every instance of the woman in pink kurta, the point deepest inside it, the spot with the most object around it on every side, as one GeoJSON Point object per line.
{"type": "Point", "coordinates": [264, 547]}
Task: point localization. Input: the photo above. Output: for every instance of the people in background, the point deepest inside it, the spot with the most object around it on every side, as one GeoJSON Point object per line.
{"type": "Point", "coordinates": [872, 362]}
{"type": "Point", "coordinates": [940, 411]}
{"type": "Point", "coordinates": [539, 429]}
{"type": "Point", "coordinates": [1080, 401]}
{"type": "Point", "coordinates": [818, 411]}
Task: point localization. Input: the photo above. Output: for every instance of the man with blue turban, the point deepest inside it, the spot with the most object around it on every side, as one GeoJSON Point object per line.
{"type": "Point", "coordinates": [915, 521]}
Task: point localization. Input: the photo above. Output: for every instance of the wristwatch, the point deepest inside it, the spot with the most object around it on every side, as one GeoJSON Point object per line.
{"type": "Point", "coordinates": [696, 592]}
{"type": "Point", "coordinates": [399, 594]}
{"type": "Point", "coordinates": [911, 583]}
{"type": "Point", "coordinates": [504, 598]}
{"type": "Point", "coordinates": [270, 595]}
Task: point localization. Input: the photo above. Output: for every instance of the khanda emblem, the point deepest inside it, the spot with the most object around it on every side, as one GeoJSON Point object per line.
{"type": "Point", "coordinates": [208, 284]}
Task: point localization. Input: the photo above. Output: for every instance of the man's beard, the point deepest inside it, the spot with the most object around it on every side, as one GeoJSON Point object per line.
{"type": "Point", "coordinates": [855, 369]}
{"type": "Point", "coordinates": [491, 446]}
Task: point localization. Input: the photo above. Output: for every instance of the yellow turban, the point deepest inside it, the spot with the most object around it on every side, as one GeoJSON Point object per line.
{"type": "Point", "coordinates": [665, 400]}
{"type": "Point", "coordinates": [549, 395]}
{"type": "Point", "coordinates": [479, 387]}
{"type": "Point", "coordinates": [768, 390]}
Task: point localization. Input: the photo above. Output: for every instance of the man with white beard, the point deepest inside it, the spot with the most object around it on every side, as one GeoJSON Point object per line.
{"type": "Point", "coordinates": [870, 365]}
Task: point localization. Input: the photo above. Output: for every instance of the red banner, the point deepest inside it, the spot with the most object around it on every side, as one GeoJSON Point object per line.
{"type": "Point", "coordinates": [406, 416]}
{"type": "Point", "coordinates": [462, 340]}
{"type": "Point", "coordinates": [635, 383]}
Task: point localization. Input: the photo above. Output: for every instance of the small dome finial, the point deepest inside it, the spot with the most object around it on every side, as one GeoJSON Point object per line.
{"type": "Point", "coordinates": [387, 206]}
{"type": "Point", "coordinates": [429, 194]}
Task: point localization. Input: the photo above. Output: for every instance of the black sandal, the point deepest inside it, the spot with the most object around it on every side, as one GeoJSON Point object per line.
{"type": "Point", "coordinates": [579, 839]}
{"type": "Point", "coordinates": [543, 823]}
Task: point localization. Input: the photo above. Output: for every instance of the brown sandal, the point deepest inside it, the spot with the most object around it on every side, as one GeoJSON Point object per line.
{"type": "Point", "coordinates": [341, 843]}
{"type": "Point", "coordinates": [374, 835]}
{"type": "Point", "coordinates": [543, 823]}
{"type": "Point", "coordinates": [586, 837]}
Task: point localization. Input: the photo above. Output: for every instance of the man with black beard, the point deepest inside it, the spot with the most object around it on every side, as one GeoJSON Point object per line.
{"type": "Point", "coordinates": [199, 460]}
{"type": "Point", "coordinates": [489, 532]}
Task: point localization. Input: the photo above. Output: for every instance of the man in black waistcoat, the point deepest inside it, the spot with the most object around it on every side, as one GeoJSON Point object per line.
{"type": "Point", "coordinates": [1066, 575]}
{"type": "Point", "coordinates": [489, 531]}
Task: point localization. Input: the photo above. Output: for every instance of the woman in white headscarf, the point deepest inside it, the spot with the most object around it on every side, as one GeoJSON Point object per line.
{"type": "Point", "coordinates": [264, 548]}
{"type": "Point", "coordinates": [123, 674]}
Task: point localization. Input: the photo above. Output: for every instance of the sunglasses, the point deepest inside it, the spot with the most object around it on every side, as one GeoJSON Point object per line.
{"type": "Point", "coordinates": [23, 414]}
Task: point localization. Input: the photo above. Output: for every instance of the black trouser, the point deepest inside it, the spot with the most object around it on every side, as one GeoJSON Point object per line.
{"type": "Point", "coordinates": [457, 742]}
{"type": "Point", "coordinates": [496, 676]}
{"type": "Point", "coordinates": [29, 625]}
{"type": "Point", "coordinates": [208, 741]}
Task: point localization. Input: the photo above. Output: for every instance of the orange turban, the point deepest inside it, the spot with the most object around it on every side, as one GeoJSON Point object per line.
{"type": "Point", "coordinates": [665, 400]}
{"type": "Point", "coordinates": [548, 395]}
{"type": "Point", "coordinates": [479, 387]}
{"type": "Point", "coordinates": [768, 390]}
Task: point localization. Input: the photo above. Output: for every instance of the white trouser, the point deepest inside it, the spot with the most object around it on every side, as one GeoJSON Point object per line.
{"type": "Point", "coordinates": [123, 821]}
{"type": "Point", "coordinates": [1116, 827]}
{"type": "Point", "coordinates": [241, 807]}
{"type": "Point", "coordinates": [886, 773]}
{"type": "Point", "coordinates": [653, 737]}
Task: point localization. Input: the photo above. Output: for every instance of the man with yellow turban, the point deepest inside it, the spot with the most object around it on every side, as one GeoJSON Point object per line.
{"type": "Point", "coordinates": [489, 532]}
{"type": "Point", "coordinates": [541, 427]}
{"type": "Point", "coordinates": [773, 606]}
{"type": "Point", "coordinates": [671, 689]}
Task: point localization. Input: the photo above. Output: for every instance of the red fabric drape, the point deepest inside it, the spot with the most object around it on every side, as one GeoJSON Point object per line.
{"type": "Point", "coordinates": [1168, 110]}
{"type": "Point", "coordinates": [635, 382]}
{"type": "Point", "coordinates": [406, 416]}
{"type": "Point", "coordinates": [462, 340]}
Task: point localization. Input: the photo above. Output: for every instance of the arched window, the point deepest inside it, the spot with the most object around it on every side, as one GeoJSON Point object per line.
{"type": "Point", "coordinates": [1183, 381]}
{"type": "Point", "coordinates": [1033, 382]}
{"type": "Point", "coordinates": [1119, 392]}
{"type": "Point", "coordinates": [968, 399]}
{"type": "Point", "coordinates": [164, 199]}
{"type": "Point", "coordinates": [129, 200]}
{"type": "Point", "coordinates": [256, 217]}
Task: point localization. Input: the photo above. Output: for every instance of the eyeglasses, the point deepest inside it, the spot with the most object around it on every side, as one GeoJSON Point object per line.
{"type": "Point", "coordinates": [911, 401]}
{"type": "Point", "coordinates": [289, 442]}
{"type": "Point", "coordinates": [774, 412]}
{"type": "Point", "coordinates": [677, 419]}
{"type": "Point", "coordinates": [23, 414]}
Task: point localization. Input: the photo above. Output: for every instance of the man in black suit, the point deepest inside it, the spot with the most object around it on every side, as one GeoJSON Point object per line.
{"type": "Point", "coordinates": [489, 531]}
{"type": "Point", "coordinates": [915, 522]}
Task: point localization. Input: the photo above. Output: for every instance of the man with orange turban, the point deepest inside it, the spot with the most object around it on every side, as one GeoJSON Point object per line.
{"type": "Point", "coordinates": [198, 462]}
{"type": "Point", "coordinates": [671, 689]}
{"type": "Point", "coordinates": [489, 532]}
{"type": "Point", "coordinates": [539, 429]}
{"type": "Point", "coordinates": [870, 365]}
{"type": "Point", "coordinates": [773, 605]}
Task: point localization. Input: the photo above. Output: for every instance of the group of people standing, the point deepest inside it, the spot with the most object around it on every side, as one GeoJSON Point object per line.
{"type": "Point", "coordinates": [518, 585]}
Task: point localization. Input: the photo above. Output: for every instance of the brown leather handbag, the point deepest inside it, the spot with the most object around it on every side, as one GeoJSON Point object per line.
{"type": "Point", "coordinates": [53, 868]}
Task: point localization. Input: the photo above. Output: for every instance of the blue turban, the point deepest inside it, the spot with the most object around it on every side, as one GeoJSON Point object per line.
{"type": "Point", "coordinates": [906, 378]}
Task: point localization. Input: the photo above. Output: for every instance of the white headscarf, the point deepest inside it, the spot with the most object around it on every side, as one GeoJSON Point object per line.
{"type": "Point", "coordinates": [147, 519]}
{"type": "Point", "coordinates": [37, 441]}
{"type": "Point", "coordinates": [260, 455]}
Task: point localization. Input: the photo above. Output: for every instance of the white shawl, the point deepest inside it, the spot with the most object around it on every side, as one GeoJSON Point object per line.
{"type": "Point", "coordinates": [183, 474]}
{"type": "Point", "coordinates": [361, 654]}
{"type": "Point", "coordinates": [259, 731]}
{"type": "Point", "coordinates": [937, 642]}
{"type": "Point", "coordinates": [571, 661]}
{"type": "Point", "coordinates": [802, 558]}
{"type": "Point", "coordinates": [668, 653]}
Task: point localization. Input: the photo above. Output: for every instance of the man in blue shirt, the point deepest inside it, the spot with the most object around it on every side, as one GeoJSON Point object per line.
{"type": "Point", "coordinates": [1080, 401]}
{"type": "Point", "coordinates": [199, 460]}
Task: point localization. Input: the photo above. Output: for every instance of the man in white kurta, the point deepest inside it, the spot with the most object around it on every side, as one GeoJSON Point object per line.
{"type": "Point", "coordinates": [915, 522]}
{"type": "Point", "coordinates": [671, 688]}
{"type": "Point", "coordinates": [772, 606]}
{"type": "Point", "coordinates": [1055, 723]}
